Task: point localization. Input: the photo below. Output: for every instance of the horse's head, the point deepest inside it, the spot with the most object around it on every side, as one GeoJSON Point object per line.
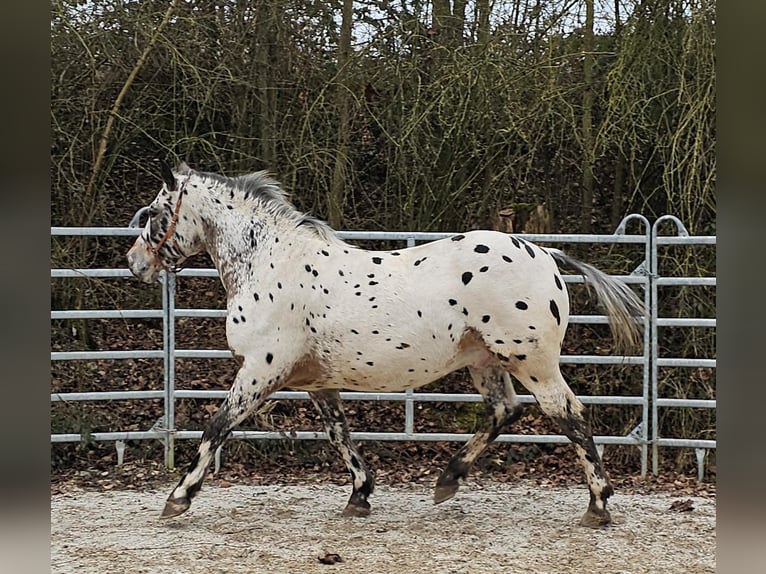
{"type": "Point", "coordinates": [170, 235]}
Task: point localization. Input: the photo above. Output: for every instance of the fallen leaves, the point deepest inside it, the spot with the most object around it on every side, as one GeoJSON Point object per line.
{"type": "Point", "coordinates": [330, 558]}
{"type": "Point", "coordinates": [682, 505]}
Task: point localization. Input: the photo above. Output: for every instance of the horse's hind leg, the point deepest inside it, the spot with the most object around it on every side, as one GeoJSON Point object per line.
{"type": "Point", "coordinates": [559, 402]}
{"type": "Point", "coordinates": [329, 406]}
{"type": "Point", "coordinates": [501, 408]}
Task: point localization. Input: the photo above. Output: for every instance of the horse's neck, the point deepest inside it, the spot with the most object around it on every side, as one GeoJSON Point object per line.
{"type": "Point", "coordinates": [240, 243]}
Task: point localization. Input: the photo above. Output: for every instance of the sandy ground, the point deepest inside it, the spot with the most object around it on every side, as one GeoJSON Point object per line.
{"type": "Point", "coordinates": [487, 528]}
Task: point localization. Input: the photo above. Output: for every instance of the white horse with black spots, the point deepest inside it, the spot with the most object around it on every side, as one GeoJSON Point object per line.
{"type": "Point", "coordinates": [307, 311]}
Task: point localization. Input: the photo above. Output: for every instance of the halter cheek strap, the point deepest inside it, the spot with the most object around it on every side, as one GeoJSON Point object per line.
{"type": "Point", "coordinates": [172, 227]}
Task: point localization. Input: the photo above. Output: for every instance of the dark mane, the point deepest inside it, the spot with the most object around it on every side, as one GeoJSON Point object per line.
{"type": "Point", "coordinates": [262, 187]}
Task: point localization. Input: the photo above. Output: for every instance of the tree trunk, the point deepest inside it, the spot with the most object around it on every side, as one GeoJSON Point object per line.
{"type": "Point", "coordinates": [336, 199]}
{"type": "Point", "coordinates": [440, 22]}
{"type": "Point", "coordinates": [618, 196]}
{"type": "Point", "coordinates": [586, 212]}
{"type": "Point", "coordinates": [265, 48]}
{"type": "Point", "coordinates": [458, 22]}
{"type": "Point", "coordinates": [483, 31]}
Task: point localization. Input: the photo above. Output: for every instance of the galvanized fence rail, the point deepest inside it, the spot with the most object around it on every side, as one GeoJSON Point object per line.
{"type": "Point", "coordinates": [644, 276]}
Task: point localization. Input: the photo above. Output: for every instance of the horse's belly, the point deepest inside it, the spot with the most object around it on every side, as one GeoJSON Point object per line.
{"type": "Point", "coordinates": [376, 369]}
{"type": "Point", "coordinates": [380, 381]}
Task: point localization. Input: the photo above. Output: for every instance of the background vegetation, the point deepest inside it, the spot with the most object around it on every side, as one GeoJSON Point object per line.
{"type": "Point", "coordinates": [429, 115]}
{"type": "Point", "coordinates": [392, 115]}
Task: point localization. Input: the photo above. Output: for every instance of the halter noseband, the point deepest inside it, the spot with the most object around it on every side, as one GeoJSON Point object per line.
{"type": "Point", "coordinates": [154, 249]}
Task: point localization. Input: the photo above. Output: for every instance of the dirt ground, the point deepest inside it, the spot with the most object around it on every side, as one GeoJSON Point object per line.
{"type": "Point", "coordinates": [488, 528]}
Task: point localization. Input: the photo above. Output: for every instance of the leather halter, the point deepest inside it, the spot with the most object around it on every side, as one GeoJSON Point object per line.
{"type": "Point", "coordinates": [154, 249]}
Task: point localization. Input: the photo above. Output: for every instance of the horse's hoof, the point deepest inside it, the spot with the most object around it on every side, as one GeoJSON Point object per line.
{"type": "Point", "coordinates": [596, 518]}
{"type": "Point", "coordinates": [445, 492]}
{"type": "Point", "coordinates": [175, 506]}
{"type": "Point", "coordinates": [356, 510]}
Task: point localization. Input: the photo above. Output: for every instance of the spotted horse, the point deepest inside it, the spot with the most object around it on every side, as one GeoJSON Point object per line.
{"type": "Point", "coordinates": [307, 311]}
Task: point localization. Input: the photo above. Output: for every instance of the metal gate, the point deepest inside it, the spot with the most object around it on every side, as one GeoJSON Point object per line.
{"type": "Point", "coordinates": [646, 276]}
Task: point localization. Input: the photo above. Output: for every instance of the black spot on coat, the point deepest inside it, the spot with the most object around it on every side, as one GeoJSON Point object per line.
{"type": "Point", "coordinates": [555, 312]}
{"type": "Point", "coordinates": [466, 277]}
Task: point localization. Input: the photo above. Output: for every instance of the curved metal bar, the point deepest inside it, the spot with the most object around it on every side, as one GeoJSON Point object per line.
{"type": "Point", "coordinates": [135, 223]}
{"type": "Point", "coordinates": [624, 223]}
{"type": "Point", "coordinates": [680, 227]}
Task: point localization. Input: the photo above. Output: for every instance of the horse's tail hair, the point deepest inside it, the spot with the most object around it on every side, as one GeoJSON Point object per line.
{"type": "Point", "coordinates": [623, 307]}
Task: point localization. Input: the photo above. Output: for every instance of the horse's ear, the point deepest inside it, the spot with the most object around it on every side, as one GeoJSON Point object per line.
{"type": "Point", "coordinates": [183, 168]}
{"type": "Point", "coordinates": [167, 176]}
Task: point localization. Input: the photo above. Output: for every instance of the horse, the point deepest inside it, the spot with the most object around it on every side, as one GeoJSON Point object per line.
{"type": "Point", "coordinates": [308, 311]}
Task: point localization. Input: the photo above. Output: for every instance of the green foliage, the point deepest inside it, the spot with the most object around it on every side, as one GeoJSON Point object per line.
{"type": "Point", "coordinates": [442, 129]}
{"type": "Point", "coordinates": [660, 115]}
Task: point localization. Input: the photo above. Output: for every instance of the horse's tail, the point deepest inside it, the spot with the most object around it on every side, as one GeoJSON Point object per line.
{"type": "Point", "coordinates": [623, 307]}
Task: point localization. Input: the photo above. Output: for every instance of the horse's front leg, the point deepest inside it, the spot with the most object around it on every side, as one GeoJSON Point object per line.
{"type": "Point", "coordinates": [330, 408]}
{"type": "Point", "coordinates": [246, 394]}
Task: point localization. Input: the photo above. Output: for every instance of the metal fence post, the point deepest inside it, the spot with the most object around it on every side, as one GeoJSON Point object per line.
{"type": "Point", "coordinates": [409, 403]}
{"type": "Point", "coordinates": [644, 269]}
{"type": "Point", "coordinates": [169, 345]}
{"type": "Point", "coordinates": [655, 273]}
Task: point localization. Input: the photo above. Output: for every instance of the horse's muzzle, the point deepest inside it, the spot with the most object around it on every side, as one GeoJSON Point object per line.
{"type": "Point", "coordinates": [143, 263]}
